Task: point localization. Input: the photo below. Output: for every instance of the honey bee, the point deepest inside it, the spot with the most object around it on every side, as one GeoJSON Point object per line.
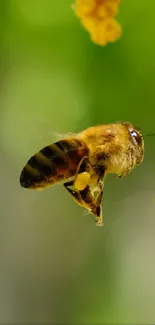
{"type": "Point", "coordinates": [82, 161]}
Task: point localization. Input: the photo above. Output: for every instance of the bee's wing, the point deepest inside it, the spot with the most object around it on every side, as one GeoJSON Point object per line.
{"type": "Point", "coordinates": [37, 127]}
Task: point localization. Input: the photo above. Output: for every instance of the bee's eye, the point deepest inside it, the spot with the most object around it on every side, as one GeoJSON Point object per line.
{"type": "Point", "coordinates": [136, 136]}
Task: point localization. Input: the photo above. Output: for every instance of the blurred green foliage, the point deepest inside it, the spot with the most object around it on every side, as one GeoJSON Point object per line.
{"type": "Point", "coordinates": [56, 266]}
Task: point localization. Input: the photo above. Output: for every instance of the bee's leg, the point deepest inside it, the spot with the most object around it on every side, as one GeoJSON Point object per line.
{"type": "Point", "coordinates": [121, 176]}
{"type": "Point", "coordinates": [75, 194]}
{"type": "Point", "coordinates": [82, 177]}
{"type": "Point", "coordinates": [98, 195]}
{"type": "Point", "coordinates": [93, 205]}
{"type": "Point", "coordinates": [85, 199]}
{"type": "Point", "coordinates": [124, 173]}
{"type": "Point", "coordinates": [99, 216]}
{"type": "Point", "coordinates": [83, 165]}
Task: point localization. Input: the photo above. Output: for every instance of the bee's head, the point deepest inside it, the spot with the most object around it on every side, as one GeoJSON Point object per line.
{"type": "Point", "coordinates": [137, 141]}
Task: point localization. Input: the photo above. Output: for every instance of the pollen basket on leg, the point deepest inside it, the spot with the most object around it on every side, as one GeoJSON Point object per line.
{"type": "Point", "coordinates": [82, 180]}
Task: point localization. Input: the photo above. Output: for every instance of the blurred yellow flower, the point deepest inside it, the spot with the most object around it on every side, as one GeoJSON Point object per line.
{"type": "Point", "coordinates": [97, 16]}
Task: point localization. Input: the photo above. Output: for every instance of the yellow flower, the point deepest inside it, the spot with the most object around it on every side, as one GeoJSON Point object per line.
{"type": "Point", "coordinates": [98, 18]}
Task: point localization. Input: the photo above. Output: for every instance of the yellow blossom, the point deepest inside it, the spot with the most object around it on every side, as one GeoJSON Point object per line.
{"type": "Point", "coordinates": [98, 18]}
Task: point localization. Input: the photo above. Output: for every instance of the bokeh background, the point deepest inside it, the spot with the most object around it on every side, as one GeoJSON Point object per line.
{"type": "Point", "coordinates": [56, 266]}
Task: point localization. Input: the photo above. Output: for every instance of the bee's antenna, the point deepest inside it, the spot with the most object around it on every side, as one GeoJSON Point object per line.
{"type": "Point", "coordinates": [149, 134]}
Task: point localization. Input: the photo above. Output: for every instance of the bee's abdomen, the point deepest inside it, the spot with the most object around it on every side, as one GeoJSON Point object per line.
{"type": "Point", "coordinates": [53, 164]}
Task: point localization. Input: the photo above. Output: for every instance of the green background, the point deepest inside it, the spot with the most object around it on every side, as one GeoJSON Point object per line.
{"type": "Point", "coordinates": [56, 266]}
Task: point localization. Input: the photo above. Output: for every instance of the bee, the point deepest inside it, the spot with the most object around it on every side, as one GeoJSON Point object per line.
{"type": "Point", "coordinates": [82, 161]}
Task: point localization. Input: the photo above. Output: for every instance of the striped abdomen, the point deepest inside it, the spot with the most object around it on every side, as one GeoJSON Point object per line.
{"type": "Point", "coordinates": [54, 163]}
